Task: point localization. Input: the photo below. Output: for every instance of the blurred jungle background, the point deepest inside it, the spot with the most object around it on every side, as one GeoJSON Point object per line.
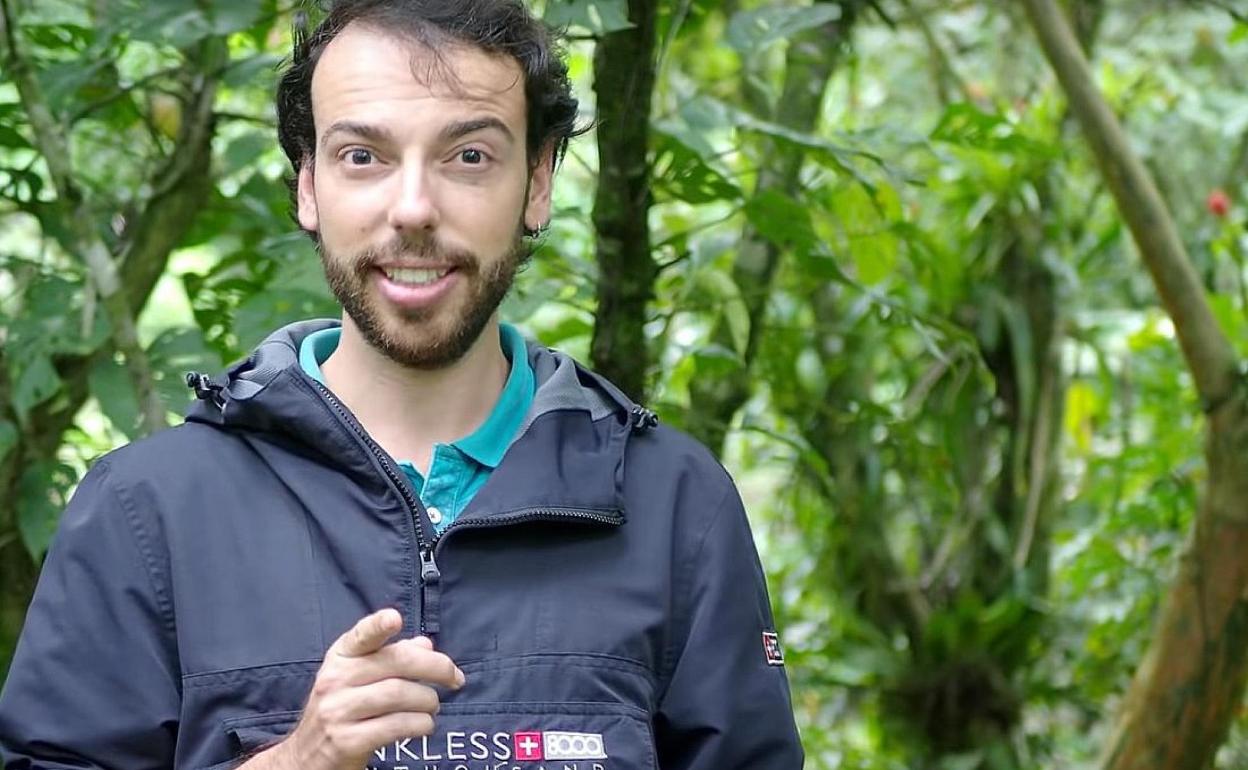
{"type": "Point", "coordinates": [967, 334]}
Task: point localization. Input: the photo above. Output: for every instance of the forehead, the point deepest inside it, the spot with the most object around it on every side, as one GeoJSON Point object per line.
{"type": "Point", "coordinates": [365, 73]}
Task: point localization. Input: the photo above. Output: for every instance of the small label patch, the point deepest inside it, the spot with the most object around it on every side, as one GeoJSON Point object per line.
{"type": "Point", "coordinates": [538, 746]}
{"type": "Point", "coordinates": [528, 746]}
{"type": "Point", "coordinates": [771, 648]}
{"type": "Point", "coordinates": [559, 745]}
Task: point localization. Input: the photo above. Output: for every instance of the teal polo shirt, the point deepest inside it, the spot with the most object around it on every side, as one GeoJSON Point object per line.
{"type": "Point", "coordinates": [457, 470]}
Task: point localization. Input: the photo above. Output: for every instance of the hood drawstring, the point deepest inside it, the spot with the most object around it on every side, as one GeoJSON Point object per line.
{"type": "Point", "coordinates": [206, 388]}
{"type": "Point", "coordinates": [642, 419]}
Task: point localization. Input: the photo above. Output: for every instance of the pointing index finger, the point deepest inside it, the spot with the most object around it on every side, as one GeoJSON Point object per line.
{"type": "Point", "coordinates": [370, 634]}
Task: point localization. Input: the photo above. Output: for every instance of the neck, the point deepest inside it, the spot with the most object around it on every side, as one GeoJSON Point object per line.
{"type": "Point", "coordinates": [409, 410]}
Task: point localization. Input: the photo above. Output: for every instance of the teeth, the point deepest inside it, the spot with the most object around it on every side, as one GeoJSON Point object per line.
{"type": "Point", "coordinates": [414, 277]}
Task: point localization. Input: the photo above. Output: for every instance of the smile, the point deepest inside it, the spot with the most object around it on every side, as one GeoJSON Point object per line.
{"type": "Point", "coordinates": [417, 288]}
{"type": "Point", "coordinates": [408, 276]}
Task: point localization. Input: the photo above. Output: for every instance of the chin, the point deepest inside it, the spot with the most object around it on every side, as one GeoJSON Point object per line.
{"type": "Point", "coordinates": [425, 344]}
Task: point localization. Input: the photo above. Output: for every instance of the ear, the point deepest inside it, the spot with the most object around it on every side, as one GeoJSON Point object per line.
{"type": "Point", "coordinates": [537, 207]}
{"type": "Point", "coordinates": [305, 193]}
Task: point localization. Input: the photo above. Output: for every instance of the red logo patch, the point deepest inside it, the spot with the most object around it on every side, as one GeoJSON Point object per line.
{"type": "Point", "coordinates": [528, 747]}
{"type": "Point", "coordinates": [771, 648]}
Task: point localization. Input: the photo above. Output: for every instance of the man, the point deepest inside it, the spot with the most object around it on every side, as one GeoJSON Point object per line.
{"type": "Point", "coordinates": [412, 540]}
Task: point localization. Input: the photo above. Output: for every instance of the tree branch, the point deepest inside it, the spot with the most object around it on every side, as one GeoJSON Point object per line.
{"type": "Point", "coordinates": [1239, 16]}
{"type": "Point", "coordinates": [944, 74]}
{"type": "Point", "coordinates": [179, 188]}
{"type": "Point", "coordinates": [810, 62]}
{"type": "Point", "coordinates": [1184, 694]}
{"type": "Point", "coordinates": [258, 120]}
{"type": "Point", "coordinates": [108, 99]}
{"type": "Point", "coordinates": [51, 142]}
{"type": "Point", "coordinates": [1039, 457]}
{"type": "Point", "coordinates": [1205, 347]}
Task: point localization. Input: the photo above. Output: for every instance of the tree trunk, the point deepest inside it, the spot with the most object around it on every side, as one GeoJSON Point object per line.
{"type": "Point", "coordinates": [624, 84]}
{"type": "Point", "coordinates": [811, 60]}
{"type": "Point", "coordinates": [1179, 706]}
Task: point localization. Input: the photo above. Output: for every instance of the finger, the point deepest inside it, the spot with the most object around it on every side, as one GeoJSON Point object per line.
{"type": "Point", "coordinates": [387, 696]}
{"type": "Point", "coordinates": [423, 663]}
{"type": "Point", "coordinates": [378, 731]}
{"type": "Point", "coordinates": [409, 659]}
{"type": "Point", "coordinates": [369, 634]}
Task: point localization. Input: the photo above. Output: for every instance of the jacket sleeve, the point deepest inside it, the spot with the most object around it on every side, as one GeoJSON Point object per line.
{"type": "Point", "coordinates": [94, 682]}
{"type": "Point", "coordinates": [727, 703]}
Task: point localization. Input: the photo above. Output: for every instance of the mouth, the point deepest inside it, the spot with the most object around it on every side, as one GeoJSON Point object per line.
{"type": "Point", "coordinates": [415, 276]}
{"type": "Point", "coordinates": [416, 289]}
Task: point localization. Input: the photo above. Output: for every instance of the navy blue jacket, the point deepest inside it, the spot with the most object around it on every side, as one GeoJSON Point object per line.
{"type": "Point", "coordinates": [601, 592]}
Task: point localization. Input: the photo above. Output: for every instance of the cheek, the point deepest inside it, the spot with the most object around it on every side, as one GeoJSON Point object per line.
{"type": "Point", "coordinates": [347, 213]}
{"type": "Point", "coordinates": [494, 217]}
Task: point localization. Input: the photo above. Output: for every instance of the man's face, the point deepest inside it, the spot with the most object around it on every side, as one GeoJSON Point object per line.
{"type": "Point", "coordinates": [419, 190]}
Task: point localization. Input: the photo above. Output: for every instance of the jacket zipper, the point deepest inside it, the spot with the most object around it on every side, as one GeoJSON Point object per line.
{"type": "Point", "coordinates": [430, 576]}
{"type": "Point", "coordinates": [525, 515]}
{"type": "Point", "coordinates": [641, 419]}
{"type": "Point", "coordinates": [431, 609]}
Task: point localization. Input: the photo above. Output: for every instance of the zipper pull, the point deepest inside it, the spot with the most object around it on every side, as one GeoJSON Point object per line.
{"type": "Point", "coordinates": [430, 604]}
{"type": "Point", "coordinates": [428, 567]}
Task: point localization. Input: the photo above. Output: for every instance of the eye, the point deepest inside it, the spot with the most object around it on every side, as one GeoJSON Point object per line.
{"type": "Point", "coordinates": [472, 157]}
{"type": "Point", "coordinates": [358, 157]}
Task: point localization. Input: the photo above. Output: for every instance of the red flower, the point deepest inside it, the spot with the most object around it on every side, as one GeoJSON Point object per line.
{"type": "Point", "coordinates": [1219, 202]}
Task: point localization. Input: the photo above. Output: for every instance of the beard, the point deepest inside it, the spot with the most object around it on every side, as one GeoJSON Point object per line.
{"type": "Point", "coordinates": [422, 338]}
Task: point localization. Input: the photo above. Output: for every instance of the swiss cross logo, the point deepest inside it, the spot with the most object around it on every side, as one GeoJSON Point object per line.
{"type": "Point", "coordinates": [771, 648]}
{"type": "Point", "coordinates": [528, 747]}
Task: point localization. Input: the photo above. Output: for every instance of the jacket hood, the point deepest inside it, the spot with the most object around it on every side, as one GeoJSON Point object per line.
{"type": "Point", "coordinates": [269, 392]}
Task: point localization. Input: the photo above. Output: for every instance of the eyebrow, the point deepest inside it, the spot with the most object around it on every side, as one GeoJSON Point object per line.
{"type": "Point", "coordinates": [363, 130]}
{"type": "Point", "coordinates": [450, 132]}
{"type": "Point", "coordinates": [462, 128]}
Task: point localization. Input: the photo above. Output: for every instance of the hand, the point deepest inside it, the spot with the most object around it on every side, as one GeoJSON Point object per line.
{"type": "Point", "coordinates": [367, 694]}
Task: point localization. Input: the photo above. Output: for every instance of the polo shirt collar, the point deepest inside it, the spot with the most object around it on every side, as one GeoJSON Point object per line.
{"type": "Point", "coordinates": [489, 442]}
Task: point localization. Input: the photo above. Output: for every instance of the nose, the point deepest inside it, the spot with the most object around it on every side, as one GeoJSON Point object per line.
{"type": "Point", "coordinates": [414, 209]}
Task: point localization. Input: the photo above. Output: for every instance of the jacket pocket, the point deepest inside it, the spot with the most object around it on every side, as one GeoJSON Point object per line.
{"type": "Point", "coordinates": [527, 736]}
{"type": "Point", "coordinates": [251, 735]}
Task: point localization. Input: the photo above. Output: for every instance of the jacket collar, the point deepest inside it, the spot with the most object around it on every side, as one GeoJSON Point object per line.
{"type": "Point", "coordinates": [576, 415]}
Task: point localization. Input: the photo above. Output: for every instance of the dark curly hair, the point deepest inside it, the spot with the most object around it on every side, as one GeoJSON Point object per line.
{"type": "Point", "coordinates": [495, 26]}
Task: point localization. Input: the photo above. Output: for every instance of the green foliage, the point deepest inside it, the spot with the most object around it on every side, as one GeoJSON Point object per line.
{"type": "Point", "coordinates": [42, 492]}
{"type": "Point", "coordinates": [750, 31]}
{"type": "Point", "coordinates": [115, 75]}
{"type": "Point", "coordinates": [597, 16]}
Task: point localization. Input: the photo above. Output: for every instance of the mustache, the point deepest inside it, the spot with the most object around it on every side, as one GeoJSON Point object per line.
{"type": "Point", "coordinates": [429, 250]}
